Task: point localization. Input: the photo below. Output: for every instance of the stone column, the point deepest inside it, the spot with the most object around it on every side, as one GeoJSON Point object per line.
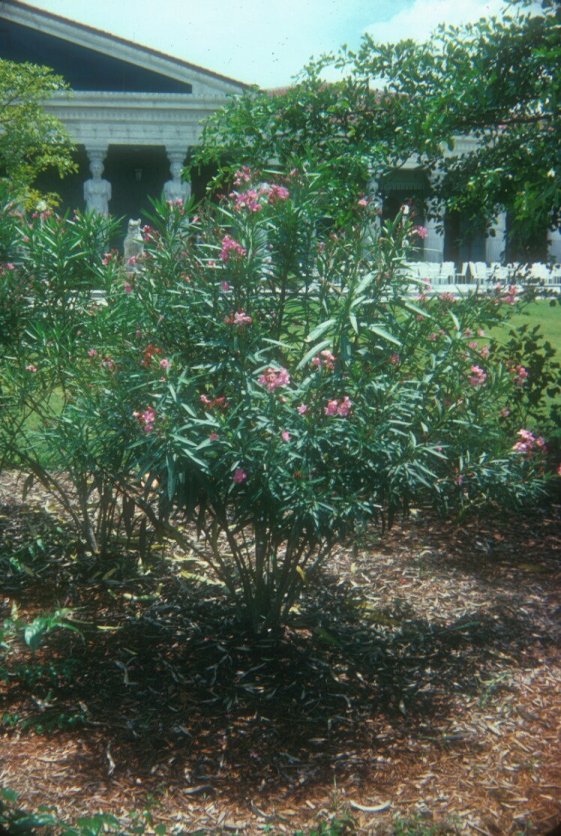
{"type": "Point", "coordinates": [176, 188]}
{"type": "Point", "coordinates": [97, 191]}
{"type": "Point", "coordinates": [554, 250]}
{"type": "Point", "coordinates": [434, 242]}
{"type": "Point", "coordinates": [374, 198]}
{"type": "Point", "coordinates": [495, 244]}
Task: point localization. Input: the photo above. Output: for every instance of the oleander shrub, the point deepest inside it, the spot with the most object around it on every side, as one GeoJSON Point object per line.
{"type": "Point", "coordinates": [261, 382]}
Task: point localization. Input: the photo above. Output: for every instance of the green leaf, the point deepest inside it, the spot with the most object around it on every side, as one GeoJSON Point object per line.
{"type": "Point", "coordinates": [312, 353]}
{"type": "Point", "coordinates": [320, 329]}
{"type": "Point", "coordinates": [381, 332]}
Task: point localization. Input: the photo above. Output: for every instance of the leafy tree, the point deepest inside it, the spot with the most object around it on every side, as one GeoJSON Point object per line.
{"type": "Point", "coordinates": [496, 82]}
{"type": "Point", "coordinates": [31, 140]}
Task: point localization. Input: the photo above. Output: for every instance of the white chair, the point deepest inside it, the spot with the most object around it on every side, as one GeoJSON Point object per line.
{"type": "Point", "coordinates": [479, 272]}
{"type": "Point", "coordinates": [447, 272]}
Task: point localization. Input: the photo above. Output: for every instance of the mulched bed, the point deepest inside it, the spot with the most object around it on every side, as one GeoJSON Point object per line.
{"type": "Point", "coordinates": [419, 681]}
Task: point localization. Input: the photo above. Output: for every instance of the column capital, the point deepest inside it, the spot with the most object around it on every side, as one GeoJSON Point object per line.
{"type": "Point", "coordinates": [176, 154]}
{"type": "Point", "coordinates": [97, 152]}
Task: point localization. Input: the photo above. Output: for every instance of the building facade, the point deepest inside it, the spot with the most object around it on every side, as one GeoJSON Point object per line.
{"type": "Point", "coordinates": [135, 113]}
{"type": "Point", "coordinates": [132, 110]}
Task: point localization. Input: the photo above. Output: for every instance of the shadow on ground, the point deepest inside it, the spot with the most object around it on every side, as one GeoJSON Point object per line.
{"type": "Point", "coordinates": [163, 689]}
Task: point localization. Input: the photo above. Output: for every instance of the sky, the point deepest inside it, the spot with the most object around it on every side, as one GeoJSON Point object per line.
{"type": "Point", "coordinates": [264, 42]}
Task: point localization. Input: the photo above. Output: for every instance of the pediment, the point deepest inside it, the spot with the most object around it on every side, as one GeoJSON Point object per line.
{"type": "Point", "coordinates": [91, 60]}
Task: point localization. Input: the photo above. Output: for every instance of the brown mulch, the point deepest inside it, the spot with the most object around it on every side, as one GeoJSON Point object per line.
{"type": "Point", "coordinates": [419, 680]}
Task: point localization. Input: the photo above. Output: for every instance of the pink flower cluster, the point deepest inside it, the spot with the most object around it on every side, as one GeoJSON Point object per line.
{"type": "Point", "coordinates": [477, 376]}
{"type": "Point", "coordinates": [240, 318]}
{"type": "Point", "coordinates": [250, 199]}
{"type": "Point", "coordinates": [239, 476]}
{"type": "Point", "coordinates": [274, 378]}
{"type": "Point", "coordinates": [325, 359]}
{"type": "Point", "coordinates": [420, 231]}
{"type": "Point", "coordinates": [528, 443]}
{"type": "Point", "coordinates": [247, 200]}
{"type": "Point", "coordinates": [146, 419]}
{"type": "Point", "coordinates": [230, 248]}
{"type": "Point", "coordinates": [519, 375]}
{"type": "Point", "coordinates": [214, 403]}
{"type": "Point", "coordinates": [341, 408]}
{"type": "Point", "coordinates": [278, 193]}
{"type": "Point", "coordinates": [242, 175]}
{"type": "Point", "coordinates": [511, 296]}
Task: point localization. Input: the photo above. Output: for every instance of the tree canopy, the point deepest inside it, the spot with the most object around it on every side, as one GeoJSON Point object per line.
{"type": "Point", "coordinates": [478, 106]}
{"type": "Point", "coordinates": [31, 140]}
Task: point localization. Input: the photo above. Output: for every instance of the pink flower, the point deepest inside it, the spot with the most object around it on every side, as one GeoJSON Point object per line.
{"type": "Point", "coordinates": [395, 359]}
{"type": "Point", "coordinates": [477, 376]}
{"type": "Point", "coordinates": [421, 231]}
{"type": "Point", "coordinates": [285, 435]}
{"type": "Point", "coordinates": [345, 407]}
{"type": "Point", "coordinates": [277, 193]}
{"type": "Point", "coordinates": [226, 288]}
{"type": "Point", "coordinates": [242, 175]}
{"type": "Point", "coordinates": [362, 202]}
{"type": "Point", "coordinates": [231, 248]}
{"type": "Point", "coordinates": [246, 200]}
{"type": "Point", "coordinates": [147, 418]}
{"type": "Point", "coordinates": [108, 363]}
{"type": "Point", "coordinates": [274, 378]}
{"type": "Point", "coordinates": [302, 409]}
{"type": "Point", "coordinates": [92, 352]}
{"type": "Point", "coordinates": [511, 296]}
{"type": "Point", "coordinates": [341, 408]}
{"type": "Point", "coordinates": [213, 437]}
{"type": "Point", "coordinates": [559, 470]}
{"type": "Point", "coordinates": [520, 375]}
{"type": "Point", "coordinates": [325, 359]}
{"type": "Point", "coordinates": [241, 319]}
{"type": "Point", "coordinates": [127, 287]}
{"type": "Point", "coordinates": [239, 475]}
{"type": "Point", "coordinates": [485, 351]}
{"type": "Point", "coordinates": [31, 368]}
{"type": "Point", "coordinates": [214, 403]}
{"type": "Point", "coordinates": [447, 297]}
{"type": "Point", "coordinates": [528, 443]}
{"type": "Point", "coordinates": [165, 363]}
{"type": "Point", "coordinates": [107, 258]}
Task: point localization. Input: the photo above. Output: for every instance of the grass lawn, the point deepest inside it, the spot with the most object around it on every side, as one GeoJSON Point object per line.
{"type": "Point", "coordinates": [541, 313]}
